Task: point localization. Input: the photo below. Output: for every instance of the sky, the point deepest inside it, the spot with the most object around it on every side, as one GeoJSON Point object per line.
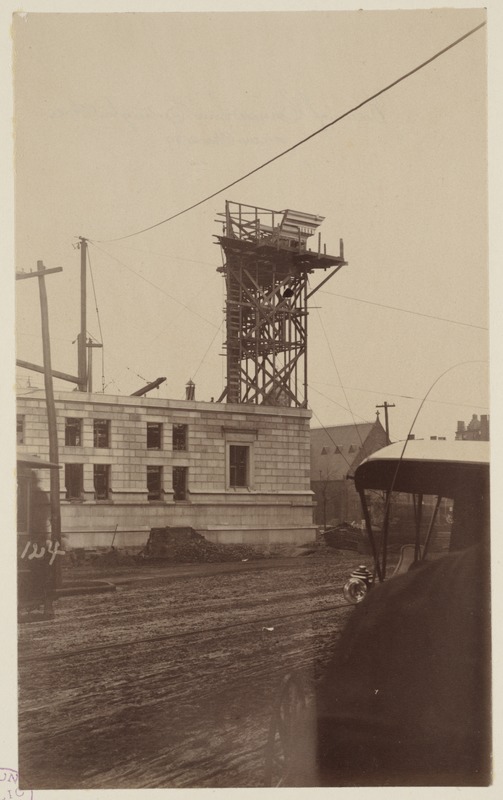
{"type": "Point", "coordinates": [122, 120]}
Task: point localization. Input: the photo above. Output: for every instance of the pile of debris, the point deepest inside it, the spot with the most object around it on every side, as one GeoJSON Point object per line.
{"type": "Point", "coordinates": [186, 546]}
{"type": "Point", "coordinates": [345, 536]}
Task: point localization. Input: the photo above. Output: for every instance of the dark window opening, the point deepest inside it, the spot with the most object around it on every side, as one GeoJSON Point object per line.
{"type": "Point", "coordinates": [154, 435]}
{"type": "Point", "coordinates": [20, 429]}
{"type": "Point", "coordinates": [180, 436]}
{"type": "Point", "coordinates": [238, 465]}
{"type": "Point", "coordinates": [73, 432]}
{"type": "Point", "coordinates": [179, 483]}
{"type": "Point", "coordinates": [101, 481]}
{"type": "Point", "coordinates": [101, 433]}
{"type": "Point", "coordinates": [154, 482]}
{"type": "Point", "coordinates": [74, 479]}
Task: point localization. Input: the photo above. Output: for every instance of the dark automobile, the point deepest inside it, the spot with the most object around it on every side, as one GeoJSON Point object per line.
{"type": "Point", "coordinates": [406, 699]}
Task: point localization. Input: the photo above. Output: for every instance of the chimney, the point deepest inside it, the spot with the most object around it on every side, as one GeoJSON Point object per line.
{"type": "Point", "coordinates": [484, 427]}
{"type": "Point", "coordinates": [460, 430]}
{"type": "Point", "coordinates": [190, 390]}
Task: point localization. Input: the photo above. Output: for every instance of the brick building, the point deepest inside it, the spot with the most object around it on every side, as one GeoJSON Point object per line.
{"type": "Point", "coordinates": [476, 430]}
{"type": "Point", "coordinates": [235, 473]}
{"type": "Point", "coordinates": [335, 453]}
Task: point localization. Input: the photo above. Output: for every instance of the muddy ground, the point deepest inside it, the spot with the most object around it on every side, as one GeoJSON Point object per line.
{"type": "Point", "coordinates": [185, 700]}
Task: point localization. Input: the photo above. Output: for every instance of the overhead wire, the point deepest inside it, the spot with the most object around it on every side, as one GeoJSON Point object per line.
{"type": "Point", "coordinates": [339, 377]}
{"type": "Point", "coordinates": [302, 141]}
{"type": "Point", "coordinates": [331, 400]}
{"type": "Point", "coordinates": [406, 310]}
{"type": "Point", "coordinates": [423, 401]}
{"type": "Point", "coordinates": [336, 445]}
{"type": "Point", "coordinates": [173, 321]}
{"type": "Point", "coordinates": [298, 144]}
{"type": "Point", "coordinates": [322, 291]}
{"type": "Point", "coordinates": [393, 394]}
{"type": "Point", "coordinates": [154, 285]}
{"type": "Point", "coordinates": [208, 350]}
{"type": "Point", "coordinates": [165, 255]}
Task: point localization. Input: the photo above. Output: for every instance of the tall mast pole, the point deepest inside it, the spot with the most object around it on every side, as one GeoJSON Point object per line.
{"type": "Point", "coordinates": [82, 350]}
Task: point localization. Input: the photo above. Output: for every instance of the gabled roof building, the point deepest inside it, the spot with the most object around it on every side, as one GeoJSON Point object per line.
{"type": "Point", "coordinates": [336, 451]}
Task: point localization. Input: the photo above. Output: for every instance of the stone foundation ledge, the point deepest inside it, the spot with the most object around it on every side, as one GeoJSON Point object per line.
{"type": "Point", "coordinates": [133, 539]}
{"type": "Point", "coordinates": [102, 538]}
{"type": "Point", "coordinates": [259, 536]}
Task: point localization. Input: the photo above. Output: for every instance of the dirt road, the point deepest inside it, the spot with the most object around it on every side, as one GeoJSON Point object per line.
{"type": "Point", "coordinates": [170, 681]}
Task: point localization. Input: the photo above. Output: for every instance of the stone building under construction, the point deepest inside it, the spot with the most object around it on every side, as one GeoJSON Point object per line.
{"type": "Point", "coordinates": [235, 473]}
{"type": "Point", "coordinates": [235, 470]}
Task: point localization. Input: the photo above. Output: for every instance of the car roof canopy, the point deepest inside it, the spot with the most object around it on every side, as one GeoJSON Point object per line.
{"type": "Point", "coordinates": [427, 467]}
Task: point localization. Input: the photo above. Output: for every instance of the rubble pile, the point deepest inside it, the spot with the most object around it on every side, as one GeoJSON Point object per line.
{"type": "Point", "coordinates": [186, 546]}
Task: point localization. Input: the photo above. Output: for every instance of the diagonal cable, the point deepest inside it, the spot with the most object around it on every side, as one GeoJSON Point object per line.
{"type": "Point", "coordinates": [305, 139]}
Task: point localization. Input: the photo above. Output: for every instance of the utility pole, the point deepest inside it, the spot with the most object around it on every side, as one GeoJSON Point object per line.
{"type": "Point", "coordinates": [386, 405]}
{"type": "Point", "coordinates": [49, 394]}
{"type": "Point", "coordinates": [51, 406]}
{"type": "Point", "coordinates": [82, 353]}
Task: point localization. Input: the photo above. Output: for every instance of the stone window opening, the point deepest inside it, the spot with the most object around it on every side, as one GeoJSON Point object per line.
{"type": "Point", "coordinates": [74, 481]}
{"type": "Point", "coordinates": [73, 432]}
{"type": "Point", "coordinates": [154, 482]}
{"type": "Point", "coordinates": [101, 433]}
{"type": "Point", "coordinates": [154, 435]}
{"type": "Point", "coordinates": [101, 476]}
{"type": "Point", "coordinates": [180, 475]}
{"type": "Point", "coordinates": [180, 436]}
{"type": "Point", "coordinates": [239, 466]}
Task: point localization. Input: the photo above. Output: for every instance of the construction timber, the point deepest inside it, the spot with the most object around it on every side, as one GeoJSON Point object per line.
{"type": "Point", "coordinates": [267, 269]}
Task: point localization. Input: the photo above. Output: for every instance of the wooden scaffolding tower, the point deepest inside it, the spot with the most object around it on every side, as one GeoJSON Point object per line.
{"type": "Point", "coordinates": [267, 269]}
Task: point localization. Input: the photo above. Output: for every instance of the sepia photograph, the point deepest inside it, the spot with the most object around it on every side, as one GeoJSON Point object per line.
{"type": "Point", "coordinates": [251, 542]}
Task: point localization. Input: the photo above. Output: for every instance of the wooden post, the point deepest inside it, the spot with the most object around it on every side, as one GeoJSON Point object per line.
{"type": "Point", "coordinates": [63, 376]}
{"type": "Point", "coordinates": [89, 345]}
{"type": "Point", "coordinates": [90, 366]}
{"type": "Point", "coordinates": [51, 416]}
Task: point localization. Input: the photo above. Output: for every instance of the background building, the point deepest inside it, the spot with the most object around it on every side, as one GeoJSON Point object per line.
{"type": "Point", "coordinates": [476, 430]}
{"type": "Point", "coordinates": [335, 454]}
